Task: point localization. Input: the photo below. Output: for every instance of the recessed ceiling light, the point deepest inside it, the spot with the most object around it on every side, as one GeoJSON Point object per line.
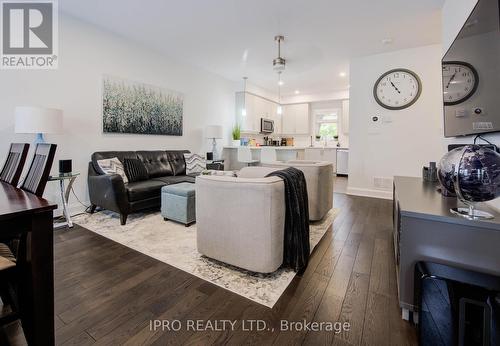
{"type": "Point", "coordinates": [297, 92]}
{"type": "Point", "coordinates": [342, 74]}
{"type": "Point", "coordinates": [280, 82]}
{"type": "Point", "coordinates": [387, 40]}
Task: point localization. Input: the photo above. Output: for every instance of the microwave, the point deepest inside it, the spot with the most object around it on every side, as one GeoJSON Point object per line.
{"type": "Point", "coordinates": [266, 125]}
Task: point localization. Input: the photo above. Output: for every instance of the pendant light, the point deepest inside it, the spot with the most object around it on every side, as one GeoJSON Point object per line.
{"type": "Point", "coordinates": [280, 109]}
{"type": "Point", "coordinates": [244, 109]}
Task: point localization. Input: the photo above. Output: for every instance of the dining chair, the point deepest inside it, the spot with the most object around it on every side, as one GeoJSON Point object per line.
{"type": "Point", "coordinates": [38, 173]}
{"type": "Point", "coordinates": [13, 262]}
{"type": "Point", "coordinates": [245, 156]}
{"type": "Point", "coordinates": [14, 164]}
{"type": "Point", "coordinates": [8, 269]}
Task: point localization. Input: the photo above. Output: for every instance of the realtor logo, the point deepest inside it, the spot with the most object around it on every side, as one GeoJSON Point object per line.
{"type": "Point", "coordinates": [29, 35]}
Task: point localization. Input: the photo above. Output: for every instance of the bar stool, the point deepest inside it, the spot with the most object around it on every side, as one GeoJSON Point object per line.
{"type": "Point", "coordinates": [268, 155]}
{"type": "Point", "coordinates": [245, 156]}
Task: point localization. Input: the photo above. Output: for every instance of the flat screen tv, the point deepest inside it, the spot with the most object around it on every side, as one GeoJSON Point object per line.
{"type": "Point", "coordinates": [471, 74]}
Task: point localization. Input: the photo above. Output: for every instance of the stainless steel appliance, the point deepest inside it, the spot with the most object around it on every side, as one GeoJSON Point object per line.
{"type": "Point", "coordinates": [266, 125]}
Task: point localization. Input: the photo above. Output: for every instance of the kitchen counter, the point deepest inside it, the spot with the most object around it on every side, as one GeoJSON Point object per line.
{"type": "Point", "coordinates": [287, 147]}
{"type": "Point", "coordinates": [287, 153]}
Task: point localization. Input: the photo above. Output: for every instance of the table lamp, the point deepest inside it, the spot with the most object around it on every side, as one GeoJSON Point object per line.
{"type": "Point", "coordinates": [38, 120]}
{"type": "Point", "coordinates": [214, 132]}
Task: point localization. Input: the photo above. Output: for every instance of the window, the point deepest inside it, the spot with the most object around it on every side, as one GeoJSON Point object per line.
{"type": "Point", "coordinates": [326, 123]}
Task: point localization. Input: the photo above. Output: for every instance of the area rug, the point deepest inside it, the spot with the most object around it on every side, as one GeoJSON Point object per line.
{"type": "Point", "coordinates": [175, 244]}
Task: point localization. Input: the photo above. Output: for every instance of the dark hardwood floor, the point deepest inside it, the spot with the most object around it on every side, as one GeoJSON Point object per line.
{"type": "Point", "coordinates": [106, 294]}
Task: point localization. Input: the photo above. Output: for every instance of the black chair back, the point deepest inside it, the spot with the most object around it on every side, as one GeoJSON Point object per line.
{"type": "Point", "coordinates": [14, 164]}
{"type": "Point", "coordinates": [38, 174]}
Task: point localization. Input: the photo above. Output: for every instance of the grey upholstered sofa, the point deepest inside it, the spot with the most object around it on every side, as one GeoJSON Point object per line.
{"type": "Point", "coordinates": [319, 178]}
{"type": "Point", "coordinates": [241, 221]}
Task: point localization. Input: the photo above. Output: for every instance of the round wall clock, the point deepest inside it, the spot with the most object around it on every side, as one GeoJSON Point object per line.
{"type": "Point", "coordinates": [397, 89]}
{"type": "Point", "coordinates": [460, 81]}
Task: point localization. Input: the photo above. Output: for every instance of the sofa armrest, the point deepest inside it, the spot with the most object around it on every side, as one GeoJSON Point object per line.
{"type": "Point", "coordinates": [107, 191]}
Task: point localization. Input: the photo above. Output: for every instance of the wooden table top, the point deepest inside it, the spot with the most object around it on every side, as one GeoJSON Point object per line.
{"type": "Point", "coordinates": [15, 202]}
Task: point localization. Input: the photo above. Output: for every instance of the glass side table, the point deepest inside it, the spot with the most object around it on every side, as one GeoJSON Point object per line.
{"type": "Point", "coordinates": [65, 191]}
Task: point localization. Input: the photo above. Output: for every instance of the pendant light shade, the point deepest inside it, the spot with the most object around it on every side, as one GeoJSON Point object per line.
{"type": "Point", "coordinates": [279, 110]}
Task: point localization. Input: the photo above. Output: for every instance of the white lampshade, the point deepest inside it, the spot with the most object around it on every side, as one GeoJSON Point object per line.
{"type": "Point", "coordinates": [38, 120]}
{"type": "Point", "coordinates": [214, 131]}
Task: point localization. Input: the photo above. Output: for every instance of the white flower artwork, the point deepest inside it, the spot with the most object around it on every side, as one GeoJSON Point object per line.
{"type": "Point", "coordinates": [132, 107]}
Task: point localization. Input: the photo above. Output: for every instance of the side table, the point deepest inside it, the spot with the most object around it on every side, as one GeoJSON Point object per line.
{"type": "Point", "coordinates": [65, 191]}
{"type": "Point", "coordinates": [217, 165]}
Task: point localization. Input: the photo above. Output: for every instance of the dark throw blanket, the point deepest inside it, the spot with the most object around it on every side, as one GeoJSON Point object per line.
{"type": "Point", "coordinates": [296, 247]}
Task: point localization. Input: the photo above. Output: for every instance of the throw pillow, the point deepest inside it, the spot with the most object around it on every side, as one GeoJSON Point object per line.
{"type": "Point", "coordinates": [135, 170]}
{"type": "Point", "coordinates": [113, 166]}
{"type": "Point", "coordinates": [195, 163]}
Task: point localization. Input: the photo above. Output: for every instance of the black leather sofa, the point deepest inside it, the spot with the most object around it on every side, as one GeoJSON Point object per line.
{"type": "Point", "coordinates": [110, 192]}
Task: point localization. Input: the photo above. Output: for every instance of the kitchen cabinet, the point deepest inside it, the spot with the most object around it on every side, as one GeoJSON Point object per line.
{"type": "Point", "coordinates": [256, 108]}
{"type": "Point", "coordinates": [295, 119]}
{"type": "Point", "coordinates": [322, 154]}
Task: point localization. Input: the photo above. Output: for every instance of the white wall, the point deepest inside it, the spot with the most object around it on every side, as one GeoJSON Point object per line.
{"type": "Point", "coordinates": [411, 139]}
{"type": "Point", "coordinates": [86, 53]}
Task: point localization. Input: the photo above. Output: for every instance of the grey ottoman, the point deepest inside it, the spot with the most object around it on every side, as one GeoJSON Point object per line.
{"type": "Point", "coordinates": [178, 203]}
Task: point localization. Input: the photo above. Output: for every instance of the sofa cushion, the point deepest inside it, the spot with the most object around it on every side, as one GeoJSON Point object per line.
{"type": "Point", "coordinates": [177, 161]}
{"type": "Point", "coordinates": [140, 190]}
{"type": "Point", "coordinates": [156, 162]}
{"type": "Point", "coordinates": [135, 170]}
{"type": "Point", "coordinates": [113, 166]}
{"type": "Point", "coordinates": [102, 155]}
{"type": "Point", "coordinates": [195, 163]}
{"type": "Point", "coordinates": [168, 180]}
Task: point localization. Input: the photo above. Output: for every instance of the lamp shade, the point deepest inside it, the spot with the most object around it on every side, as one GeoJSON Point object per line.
{"type": "Point", "coordinates": [213, 131]}
{"type": "Point", "coordinates": [38, 120]}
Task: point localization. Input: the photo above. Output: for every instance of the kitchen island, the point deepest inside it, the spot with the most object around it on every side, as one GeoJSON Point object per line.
{"type": "Point", "coordinates": [283, 153]}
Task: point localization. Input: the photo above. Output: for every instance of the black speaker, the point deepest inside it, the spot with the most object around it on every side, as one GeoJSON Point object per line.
{"type": "Point", "coordinates": [65, 167]}
{"type": "Point", "coordinates": [210, 156]}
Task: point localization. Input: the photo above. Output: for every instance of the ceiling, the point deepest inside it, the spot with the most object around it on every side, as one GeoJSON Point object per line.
{"type": "Point", "coordinates": [234, 38]}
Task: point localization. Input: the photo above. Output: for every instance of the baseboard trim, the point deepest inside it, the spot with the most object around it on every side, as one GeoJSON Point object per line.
{"type": "Point", "coordinates": [355, 191]}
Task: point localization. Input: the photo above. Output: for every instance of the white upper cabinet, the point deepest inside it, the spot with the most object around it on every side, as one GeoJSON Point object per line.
{"type": "Point", "coordinates": [295, 119]}
{"type": "Point", "coordinates": [256, 108]}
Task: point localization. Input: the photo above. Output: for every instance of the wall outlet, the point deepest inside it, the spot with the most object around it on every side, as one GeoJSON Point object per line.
{"type": "Point", "coordinates": [382, 183]}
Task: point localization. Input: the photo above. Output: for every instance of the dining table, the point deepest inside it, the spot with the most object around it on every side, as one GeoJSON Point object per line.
{"type": "Point", "coordinates": [22, 212]}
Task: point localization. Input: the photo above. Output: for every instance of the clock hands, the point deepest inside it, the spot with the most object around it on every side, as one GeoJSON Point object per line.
{"type": "Point", "coordinates": [451, 79]}
{"type": "Point", "coordinates": [395, 87]}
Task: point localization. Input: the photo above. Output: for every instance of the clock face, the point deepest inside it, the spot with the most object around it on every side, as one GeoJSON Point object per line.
{"type": "Point", "coordinates": [460, 81]}
{"type": "Point", "coordinates": [397, 89]}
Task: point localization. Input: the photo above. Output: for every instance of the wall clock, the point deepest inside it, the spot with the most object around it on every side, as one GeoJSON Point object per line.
{"type": "Point", "coordinates": [460, 81]}
{"type": "Point", "coordinates": [397, 89]}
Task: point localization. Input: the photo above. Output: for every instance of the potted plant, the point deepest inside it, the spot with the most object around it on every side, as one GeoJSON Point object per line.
{"type": "Point", "coordinates": [236, 135]}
